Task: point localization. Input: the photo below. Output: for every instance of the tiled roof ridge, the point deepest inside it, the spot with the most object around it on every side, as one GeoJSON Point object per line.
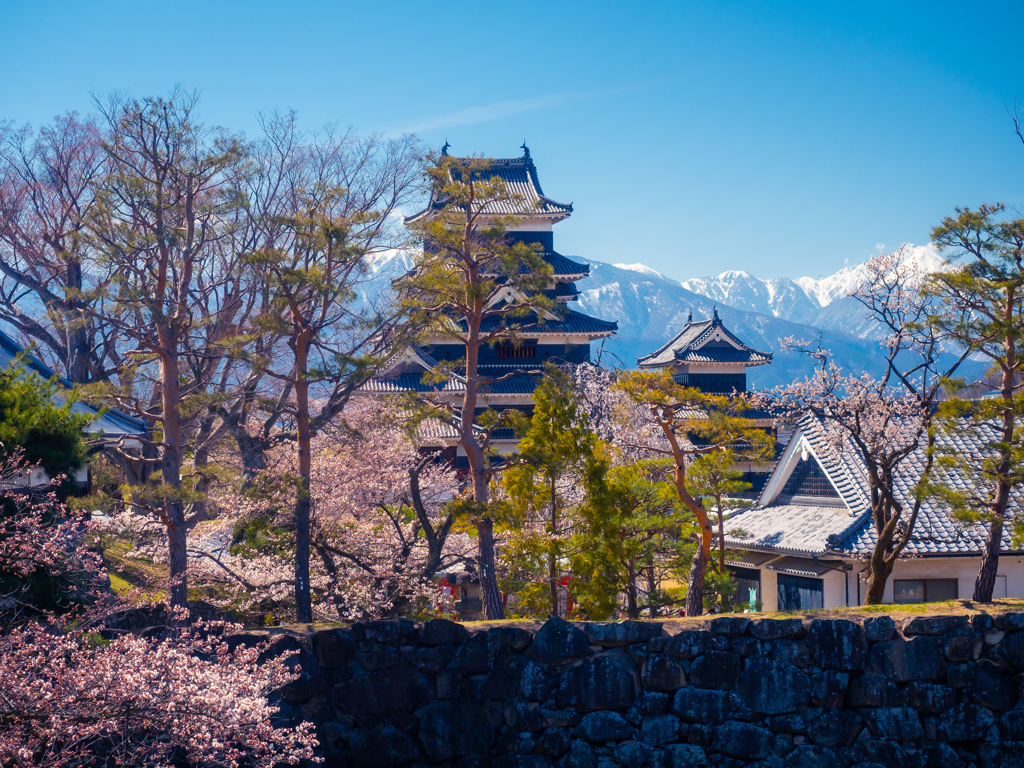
{"type": "Point", "coordinates": [668, 345]}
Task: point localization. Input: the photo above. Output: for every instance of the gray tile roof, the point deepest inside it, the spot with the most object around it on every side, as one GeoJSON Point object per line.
{"type": "Point", "coordinates": [113, 423]}
{"type": "Point", "coordinates": [808, 529]}
{"type": "Point", "coordinates": [523, 184]}
{"type": "Point", "coordinates": [695, 344]}
{"type": "Point", "coordinates": [788, 528]}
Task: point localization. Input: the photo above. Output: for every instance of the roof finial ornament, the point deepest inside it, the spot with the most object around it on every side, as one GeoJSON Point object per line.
{"type": "Point", "coordinates": [716, 311]}
{"type": "Point", "coordinates": [444, 149]}
{"type": "Point", "coordinates": [526, 150]}
{"type": "Point", "coordinates": [689, 315]}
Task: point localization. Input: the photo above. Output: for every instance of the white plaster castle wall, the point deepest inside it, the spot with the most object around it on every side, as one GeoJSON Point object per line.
{"type": "Point", "coordinates": [963, 569]}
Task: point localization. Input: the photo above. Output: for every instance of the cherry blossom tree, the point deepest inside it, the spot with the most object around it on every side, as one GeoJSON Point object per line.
{"type": "Point", "coordinates": [189, 696]}
{"type": "Point", "coordinates": [78, 691]}
{"type": "Point", "coordinates": [887, 423]}
{"type": "Point", "coordinates": [383, 523]}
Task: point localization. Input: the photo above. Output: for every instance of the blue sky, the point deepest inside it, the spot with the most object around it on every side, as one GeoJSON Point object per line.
{"type": "Point", "coordinates": [780, 138]}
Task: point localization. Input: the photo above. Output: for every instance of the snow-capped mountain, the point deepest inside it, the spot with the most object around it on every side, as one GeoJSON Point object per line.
{"type": "Point", "coordinates": [651, 308]}
{"type": "Point", "coordinates": [804, 299]}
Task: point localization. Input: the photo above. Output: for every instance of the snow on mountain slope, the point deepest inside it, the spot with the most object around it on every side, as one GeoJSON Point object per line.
{"type": "Point", "coordinates": [805, 299]}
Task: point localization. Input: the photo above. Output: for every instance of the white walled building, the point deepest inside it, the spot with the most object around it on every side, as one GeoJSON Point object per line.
{"type": "Point", "coordinates": [805, 542]}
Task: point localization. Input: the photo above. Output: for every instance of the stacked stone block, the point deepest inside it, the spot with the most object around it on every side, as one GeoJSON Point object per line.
{"type": "Point", "coordinates": [942, 691]}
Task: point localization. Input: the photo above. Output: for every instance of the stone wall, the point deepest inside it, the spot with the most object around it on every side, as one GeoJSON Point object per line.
{"type": "Point", "coordinates": [823, 693]}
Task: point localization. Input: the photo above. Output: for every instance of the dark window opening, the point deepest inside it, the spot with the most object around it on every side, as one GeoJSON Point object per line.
{"type": "Point", "coordinates": [924, 590]}
{"type": "Point", "coordinates": [748, 580]}
{"type": "Point", "coordinates": [798, 593]}
{"type": "Point", "coordinates": [517, 353]}
{"type": "Point", "coordinates": [808, 479]}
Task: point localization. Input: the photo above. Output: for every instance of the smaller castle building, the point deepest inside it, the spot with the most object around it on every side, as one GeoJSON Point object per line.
{"type": "Point", "coordinates": [708, 356]}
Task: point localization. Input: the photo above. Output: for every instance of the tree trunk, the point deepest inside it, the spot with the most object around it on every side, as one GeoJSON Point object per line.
{"type": "Point", "coordinates": [695, 589]}
{"type": "Point", "coordinates": [721, 534]}
{"type": "Point", "coordinates": [652, 587]}
{"type": "Point", "coordinates": [170, 469]}
{"type": "Point", "coordinates": [489, 592]}
{"type": "Point", "coordinates": [986, 581]}
{"type": "Point", "coordinates": [553, 553]}
{"type": "Point", "coordinates": [632, 609]}
{"type": "Point", "coordinates": [881, 570]}
{"type": "Point", "coordinates": [303, 599]}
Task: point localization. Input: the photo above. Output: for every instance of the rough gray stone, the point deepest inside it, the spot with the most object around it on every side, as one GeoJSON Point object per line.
{"type": "Point", "coordinates": [744, 740]}
{"type": "Point", "coordinates": [1009, 622]}
{"type": "Point", "coordinates": [450, 729]}
{"type": "Point", "coordinates": [398, 632]}
{"type": "Point", "coordinates": [441, 632]}
{"type": "Point", "coordinates": [728, 625]}
{"type": "Point", "coordinates": [791, 723]}
{"type": "Point", "coordinates": [878, 752]}
{"type": "Point", "coordinates": [662, 673]}
{"type": "Point", "coordinates": [688, 643]}
{"type": "Point", "coordinates": [813, 756]}
{"type": "Point", "coordinates": [620, 633]}
{"type": "Point", "coordinates": [717, 670]}
{"type": "Point", "coordinates": [539, 681]}
{"type": "Point", "coordinates": [964, 722]}
{"type": "Point", "coordinates": [684, 756]}
{"type": "Point", "coordinates": [333, 648]}
{"type": "Point", "coordinates": [632, 754]}
{"type": "Point", "coordinates": [385, 748]}
{"type": "Point", "coordinates": [652, 703]}
{"type": "Point", "coordinates": [596, 683]}
{"type": "Point", "coordinates": [838, 644]}
{"type": "Point", "coordinates": [795, 652]}
{"type": "Point", "coordinates": [895, 723]}
{"type": "Point", "coordinates": [558, 642]}
{"type": "Point", "coordinates": [776, 629]}
{"type": "Point", "coordinates": [580, 755]}
{"type": "Point", "coordinates": [959, 675]}
{"type": "Point", "coordinates": [878, 629]}
{"type": "Point", "coordinates": [934, 625]}
{"type": "Point", "coordinates": [553, 742]}
{"type": "Point", "coordinates": [773, 687]}
{"type": "Point", "coordinates": [604, 726]}
{"type": "Point", "coordinates": [928, 698]}
{"type": "Point", "coordinates": [828, 688]}
{"type": "Point", "coordinates": [962, 645]}
{"type": "Point", "coordinates": [933, 754]}
{"type": "Point", "coordinates": [1011, 725]}
{"type": "Point", "coordinates": [919, 658]}
{"type": "Point", "coordinates": [516, 638]}
{"type": "Point", "coordinates": [660, 729]}
{"type": "Point", "coordinates": [374, 656]}
{"type": "Point", "coordinates": [835, 728]}
{"type": "Point", "coordinates": [704, 706]}
{"type": "Point", "coordinates": [382, 693]}
{"type": "Point", "coordinates": [993, 690]}
{"type": "Point", "coordinates": [1013, 650]}
{"type": "Point", "coordinates": [481, 654]}
{"type": "Point", "coordinates": [1007, 754]}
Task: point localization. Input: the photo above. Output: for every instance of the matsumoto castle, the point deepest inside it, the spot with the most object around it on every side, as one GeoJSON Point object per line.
{"type": "Point", "coordinates": [704, 354]}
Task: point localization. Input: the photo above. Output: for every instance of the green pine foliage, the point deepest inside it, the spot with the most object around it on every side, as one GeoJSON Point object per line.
{"type": "Point", "coordinates": [37, 417]}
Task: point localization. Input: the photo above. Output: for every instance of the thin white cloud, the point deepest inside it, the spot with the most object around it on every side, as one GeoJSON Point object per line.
{"type": "Point", "coordinates": [502, 109]}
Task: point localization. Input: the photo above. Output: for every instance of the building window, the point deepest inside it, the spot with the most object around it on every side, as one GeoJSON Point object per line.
{"type": "Point", "coordinates": [808, 479]}
{"type": "Point", "coordinates": [924, 590]}
{"type": "Point", "coordinates": [748, 580]}
{"type": "Point", "coordinates": [682, 379]}
{"type": "Point", "coordinates": [799, 593]}
{"type": "Point", "coordinates": [518, 353]}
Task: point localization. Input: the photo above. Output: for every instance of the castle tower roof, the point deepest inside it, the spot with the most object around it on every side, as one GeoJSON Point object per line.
{"type": "Point", "coordinates": [705, 341]}
{"type": "Point", "coordinates": [520, 177]}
